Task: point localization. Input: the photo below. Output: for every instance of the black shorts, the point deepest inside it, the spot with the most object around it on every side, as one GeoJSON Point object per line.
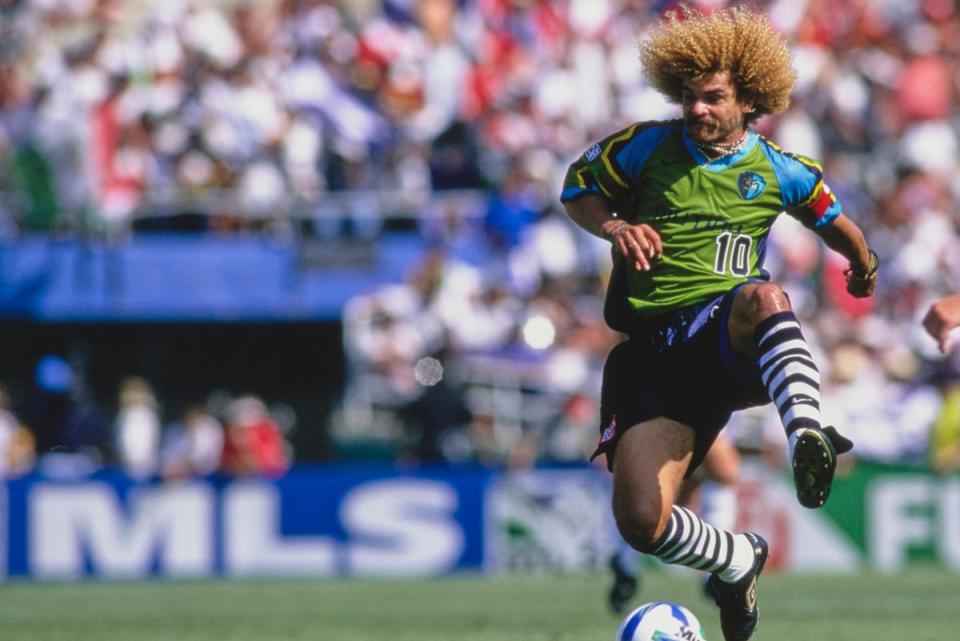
{"type": "Point", "coordinates": [678, 365]}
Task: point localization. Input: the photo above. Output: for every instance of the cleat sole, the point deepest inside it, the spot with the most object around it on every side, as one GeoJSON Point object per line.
{"type": "Point", "coordinates": [814, 463]}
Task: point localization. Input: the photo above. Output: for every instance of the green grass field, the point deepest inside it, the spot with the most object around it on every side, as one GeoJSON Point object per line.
{"type": "Point", "coordinates": [920, 605]}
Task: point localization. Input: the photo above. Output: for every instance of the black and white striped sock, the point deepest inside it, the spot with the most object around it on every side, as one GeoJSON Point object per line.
{"type": "Point", "coordinates": [789, 374]}
{"type": "Point", "coordinates": [693, 543]}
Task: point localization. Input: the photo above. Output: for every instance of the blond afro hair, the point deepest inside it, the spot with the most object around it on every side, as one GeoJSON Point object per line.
{"type": "Point", "coordinates": [687, 44]}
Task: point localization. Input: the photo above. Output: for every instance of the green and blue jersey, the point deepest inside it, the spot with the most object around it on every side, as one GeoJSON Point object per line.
{"type": "Point", "coordinates": [713, 216]}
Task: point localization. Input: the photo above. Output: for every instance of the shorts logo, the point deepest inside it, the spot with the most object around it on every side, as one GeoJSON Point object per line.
{"type": "Point", "coordinates": [593, 153]}
{"type": "Point", "coordinates": [610, 430]}
{"type": "Point", "coordinates": [751, 185]}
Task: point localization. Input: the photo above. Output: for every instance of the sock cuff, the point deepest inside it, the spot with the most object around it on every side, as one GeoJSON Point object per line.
{"type": "Point", "coordinates": [770, 322]}
{"type": "Point", "coordinates": [800, 423]}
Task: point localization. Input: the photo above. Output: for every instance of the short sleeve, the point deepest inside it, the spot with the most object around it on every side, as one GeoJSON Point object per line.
{"type": "Point", "coordinates": [610, 167]}
{"type": "Point", "coordinates": [806, 196]}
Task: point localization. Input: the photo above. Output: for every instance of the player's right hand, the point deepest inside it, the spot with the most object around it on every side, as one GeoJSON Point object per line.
{"type": "Point", "coordinates": [861, 283]}
{"type": "Point", "coordinates": [640, 242]}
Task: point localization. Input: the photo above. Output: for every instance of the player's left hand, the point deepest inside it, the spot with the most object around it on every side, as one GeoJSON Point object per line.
{"type": "Point", "coordinates": [861, 283]}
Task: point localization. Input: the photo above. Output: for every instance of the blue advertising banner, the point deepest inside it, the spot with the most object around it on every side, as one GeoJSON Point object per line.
{"type": "Point", "coordinates": [316, 521]}
{"type": "Point", "coordinates": [380, 520]}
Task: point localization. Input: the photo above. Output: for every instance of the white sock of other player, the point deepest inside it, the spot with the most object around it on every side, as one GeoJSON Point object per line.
{"type": "Point", "coordinates": [789, 374]}
{"type": "Point", "coordinates": [691, 542]}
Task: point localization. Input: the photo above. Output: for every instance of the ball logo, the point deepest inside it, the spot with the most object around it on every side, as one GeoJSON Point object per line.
{"type": "Point", "coordinates": [751, 185]}
{"type": "Point", "coordinates": [593, 153]}
{"type": "Point", "coordinates": [688, 634]}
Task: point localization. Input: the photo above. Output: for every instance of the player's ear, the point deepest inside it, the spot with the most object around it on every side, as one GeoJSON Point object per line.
{"type": "Point", "coordinates": [745, 99]}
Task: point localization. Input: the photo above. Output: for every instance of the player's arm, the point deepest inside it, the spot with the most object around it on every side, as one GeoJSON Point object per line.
{"type": "Point", "coordinates": [808, 199]}
{"type": "Point", "coordinates": [600, 180]}
{"type": "Point", "coordinates": [843, 236]}
{"type": "Point", "coordinates": [943, 316]}
{"type": "Point", "coordinates": [638, 242]}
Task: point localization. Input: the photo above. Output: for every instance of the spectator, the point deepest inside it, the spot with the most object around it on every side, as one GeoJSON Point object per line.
{"type": "Point", "coordinates": [69, 429]}
{"type": "Point", "coordinates": [945, 437]}
{"type": "Point", "coordinates": [192, 446]}
{"type": "Point", "coordinates": [17, 447]}
{"type": "Point", "coordinates": [438, 419]}
{"type": "Point", "coordinates": [137, 429]}
{"type": "Point", "coordinates": [254, 444]}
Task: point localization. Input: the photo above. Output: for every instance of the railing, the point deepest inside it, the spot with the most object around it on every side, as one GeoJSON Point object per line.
{"type": "Point", "coordinates": [364, 212]}
{"type": "Point", "coordinates": [509, 399]}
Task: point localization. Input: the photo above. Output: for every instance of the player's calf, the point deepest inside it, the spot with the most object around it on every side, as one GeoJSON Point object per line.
{"type": "Point", "coordinates": [792, 381]}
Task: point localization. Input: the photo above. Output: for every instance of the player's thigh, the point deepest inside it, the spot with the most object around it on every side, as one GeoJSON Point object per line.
{"type": "Point", "coordinates": [650, 463]}
{"type": "Point", "coordinates": [722, 462]}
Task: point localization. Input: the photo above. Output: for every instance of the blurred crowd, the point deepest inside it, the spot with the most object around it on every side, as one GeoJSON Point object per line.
{"type": "Point", "coordinates": [56, 426]}
{"type": "Point", "coordinates": [267, 107]}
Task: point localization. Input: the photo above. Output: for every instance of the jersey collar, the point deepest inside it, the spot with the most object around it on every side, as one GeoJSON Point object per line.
{"type": "Point", "coordinates": [721, 163]}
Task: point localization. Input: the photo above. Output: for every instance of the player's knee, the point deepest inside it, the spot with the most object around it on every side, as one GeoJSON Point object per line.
{"type": "Point", "coordinates": [764, 299]}
{"type": "Point", "coordinates": [641, 523]}
{"type": "Point", "coordinates": [754, 303]}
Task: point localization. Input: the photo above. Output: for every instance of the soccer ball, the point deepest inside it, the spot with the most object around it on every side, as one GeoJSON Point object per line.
{"type": "Point", "coordinates": [660, 621]}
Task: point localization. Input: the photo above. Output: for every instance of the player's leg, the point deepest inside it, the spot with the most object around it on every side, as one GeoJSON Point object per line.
{"type": "Point", "coordinates": [762, 326]}
{"type": "Point", "coordinates": [713, 485]}
{"type": "Point", "coordinates": [650, 463]}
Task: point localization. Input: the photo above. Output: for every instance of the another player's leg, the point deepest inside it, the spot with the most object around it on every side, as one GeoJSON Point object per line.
{"type": "Point", "coordinates": [650, 463]}
{"type": "Point", "coordinates": [718, 491]}
{"type": "Point", "coordinates": [763, 325]}
{"type": "Point", "coordinates": [625, 566]}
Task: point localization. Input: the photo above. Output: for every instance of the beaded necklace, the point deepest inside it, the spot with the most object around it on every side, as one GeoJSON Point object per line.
{"type": "Point", "coordinates": [716, 150]}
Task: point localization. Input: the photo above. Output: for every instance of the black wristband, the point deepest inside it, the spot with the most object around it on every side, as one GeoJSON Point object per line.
{"type": "Point", "coordinates": [871, 271]}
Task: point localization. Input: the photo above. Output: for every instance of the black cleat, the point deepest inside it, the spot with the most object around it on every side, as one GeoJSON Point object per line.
{"type": "Point", "coordinates": [738, 601]}
{"type": "Point", "coordinates": [623, 588]}
{"type": "Point", "coordinates": [814, 461]}
{"type": "Point", "coordinates": [841, 444]}
{"type": "Point", "coordinates": [705, 586]}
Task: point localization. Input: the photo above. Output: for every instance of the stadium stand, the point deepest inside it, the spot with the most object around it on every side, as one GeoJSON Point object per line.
{"type": "Point", "coordinates": [411, 150]}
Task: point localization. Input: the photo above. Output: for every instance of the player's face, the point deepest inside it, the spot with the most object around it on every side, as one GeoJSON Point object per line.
{"type": "Point", "coordinates": [711, 109]}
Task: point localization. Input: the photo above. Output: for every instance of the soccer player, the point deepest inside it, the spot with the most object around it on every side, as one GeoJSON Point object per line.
{"type": "Point", "coordinates": [687, 206]}
{"type": "Point", "coordinates": [942, 317]}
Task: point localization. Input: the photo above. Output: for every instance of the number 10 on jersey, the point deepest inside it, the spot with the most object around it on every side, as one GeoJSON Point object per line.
{"type": "Point", "coordinates": [733, 254]}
